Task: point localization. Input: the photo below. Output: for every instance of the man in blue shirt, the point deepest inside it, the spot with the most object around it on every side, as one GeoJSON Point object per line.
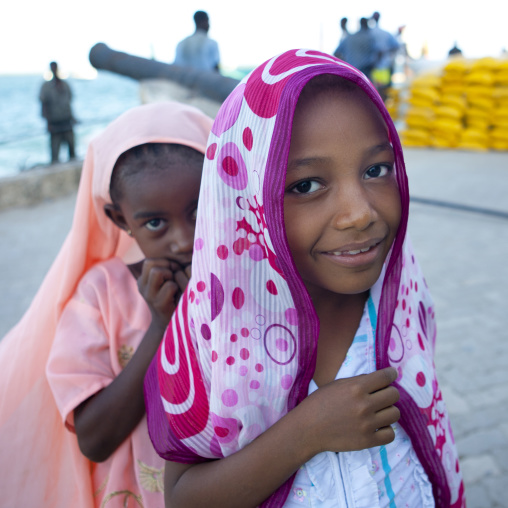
{"type": "Point", "coordinates": [360, 49]}
{"type": "Point", "coordinates": [198, 50]}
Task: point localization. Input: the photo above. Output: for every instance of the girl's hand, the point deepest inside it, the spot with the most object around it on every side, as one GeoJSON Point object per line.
{"type": "Point", "coordinates": [159, 287]}
{"type": "Point", "coordinates": [353, 413]}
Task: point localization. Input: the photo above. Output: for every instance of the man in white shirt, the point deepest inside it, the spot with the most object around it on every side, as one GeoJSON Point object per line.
{"type": "Point", "coordinates": [198, 50]}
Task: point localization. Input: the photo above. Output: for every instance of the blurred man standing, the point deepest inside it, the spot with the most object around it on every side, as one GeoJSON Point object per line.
{"type": "Point", "coordinates": [55, 97]}
{"type": "Point", "coordinates": [198, 50]}
{"type": "Point", "coordinates": [360, 49]}
{"type": "Point", "coordinates": [388, 46]}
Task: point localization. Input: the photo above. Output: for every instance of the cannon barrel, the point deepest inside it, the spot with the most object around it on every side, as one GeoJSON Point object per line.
{"type": "Point", "coordinates": [207, 83]}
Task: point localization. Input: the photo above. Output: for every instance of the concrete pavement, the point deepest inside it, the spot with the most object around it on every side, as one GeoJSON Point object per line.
{"type": "Point", "coordinates": [463, 255]}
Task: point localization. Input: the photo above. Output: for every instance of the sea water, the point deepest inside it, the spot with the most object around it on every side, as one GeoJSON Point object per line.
{"type": "Point", "coordinates": [24, 141]}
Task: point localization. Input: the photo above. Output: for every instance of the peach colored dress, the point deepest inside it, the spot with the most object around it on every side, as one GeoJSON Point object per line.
{"type": "Point", "coordinates": [100, 329]}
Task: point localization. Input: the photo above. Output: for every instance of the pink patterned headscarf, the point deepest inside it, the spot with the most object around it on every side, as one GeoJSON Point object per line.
{"type": "Point", "coordinates": [240, 351]}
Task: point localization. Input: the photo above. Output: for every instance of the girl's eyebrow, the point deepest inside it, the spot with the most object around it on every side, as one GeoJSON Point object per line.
{"type": "Point", "coordinates": [382, 147]}
{"type": "Point", "coordinates": [297, 164]}
{"type": "Point", "coordinates": [147, 215]}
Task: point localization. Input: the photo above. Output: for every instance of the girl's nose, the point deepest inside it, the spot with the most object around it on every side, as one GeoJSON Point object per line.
{"type": "Point", "coordinates": [353, 209]}
{"type": "Point", "coordinates": [182, 240]}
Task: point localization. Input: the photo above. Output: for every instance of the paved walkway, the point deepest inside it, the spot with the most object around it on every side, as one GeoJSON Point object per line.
{"type": "Point", "coordinates": [463, 255]}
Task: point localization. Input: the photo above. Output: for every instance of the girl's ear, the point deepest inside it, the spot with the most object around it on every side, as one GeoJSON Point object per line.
{"type": "Point", "coordinates": [115, 214]}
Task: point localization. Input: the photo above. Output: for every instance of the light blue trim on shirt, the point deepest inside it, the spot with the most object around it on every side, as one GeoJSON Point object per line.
{"type": "Point", "coordinates": [360, 338]}
{"type": "Point", "coordinates": [373, 321]}
{"type": "Point", "coordinates": [387, 469]}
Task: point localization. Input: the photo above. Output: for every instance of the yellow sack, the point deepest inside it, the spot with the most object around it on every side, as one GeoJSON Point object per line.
{"type": "Point", "coordinates": [448, 112]}
{"type": "Point", "coordinates": [499, 134]}
{"type": "Point", "coordinates": [500, 93]}
{"type": "Point", "coordinates": [497, 144]}
{"type": "Point", "coordinates": [472, 135]}
{"type": "Point", "coordinates": [478, 123]}
{"type": "Point", "coordinates": [480, 102]}
{"type": "Point", "coordinates": [501, 78]}
{"type": "Point", "coordinates": [479, 90]}
{"type": "Point", "coordinates": [420, 102]}
{"type": "Point", "coordinates": [426, 80]}
{"type": "Point", "coordinates": [455, 101]}
{"type": "Point", "coordinates": [488, 63]}
{"type": "Point", "coordinates": [415, 137]}
{"type": "Point", "coordinates": [480, 77]}
{"type": "Point", "coordinates": [457, 64]}
{"type": "Point", "coordinates": [425, 93]}
{"type": "Point", "coordinates": [452, 89]}
{"type": "Point", "coordinates": [439, 141]}
{"type": "Point", "coordinates": [447, 125]}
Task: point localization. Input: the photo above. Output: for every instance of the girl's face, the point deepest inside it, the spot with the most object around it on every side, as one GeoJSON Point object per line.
{"type": "Point", "coordinates": [341, 201]}
{"type": "Point", "coordinates": [159, 207]}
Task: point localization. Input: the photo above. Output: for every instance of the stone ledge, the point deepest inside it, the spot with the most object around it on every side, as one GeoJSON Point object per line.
{"type": "Point", "coordinates": [40, 184]}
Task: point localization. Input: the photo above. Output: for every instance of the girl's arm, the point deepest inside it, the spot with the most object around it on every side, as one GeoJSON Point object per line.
{"type": "Point", "coordinates": [347, 414]}
{"type": "Point", "coordinates": [106, 419]}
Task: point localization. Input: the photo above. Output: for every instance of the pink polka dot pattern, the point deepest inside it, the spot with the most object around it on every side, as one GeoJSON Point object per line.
{"type": "Point", "coordinates": [286, 381]}
{"type": "Point", "coordinates": [238, 298]}
{"type": "Point", "coordinates": [291, 316]}
{"type": "Point", "coordinates": [200, 286]}
{"type": "Point", "coordinates": [229, 398]}
{"type": "Point", "coordinates": [228, 114]}
{"type": "Point", "coordinates": [206, 333]}
{"type": "Point", "coordinates": [210, 152]}
{"type": "Point", "coordinates": [231, 167]}
{"type": "Point", "coordinates": [244, 354]}
{"type": "Point", "coordinates": [216, 296]}
{"type": "Point", "coordinates": [222, 252]}
{"type": "Point", "coordinates": [248, 140]}
{"type": "Point", "coordinates": [271, 287]}
{"type": "Point", "coordinates": [198, 243]}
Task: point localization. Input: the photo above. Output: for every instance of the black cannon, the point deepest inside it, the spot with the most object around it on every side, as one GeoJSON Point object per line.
{"type": "Point", "coordinates": [207, 83]}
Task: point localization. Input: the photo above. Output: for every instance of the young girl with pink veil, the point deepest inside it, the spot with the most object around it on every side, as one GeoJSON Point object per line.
{"type": "Point", "coordinates": [297, 369]}
{"type": "Point", "coordinates": [81, 351]}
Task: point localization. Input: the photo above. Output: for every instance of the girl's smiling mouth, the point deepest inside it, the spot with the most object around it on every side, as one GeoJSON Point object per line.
{"type": "Point", "coordinates": [356, 254]}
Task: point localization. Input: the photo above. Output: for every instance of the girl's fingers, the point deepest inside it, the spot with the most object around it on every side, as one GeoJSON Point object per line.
{"type": "Point", "coordinates": [386, 417]}
{"type": "Point", "coordinates": [182, 280]}
{"type": "Point", "coordinates": [384, 398]}
{"type": "Point", "coordinates": [188, 271]}
{"type": "Point", "coordinates": [380, 379]}
{"type": "Point", "coordinates": [383, 436]}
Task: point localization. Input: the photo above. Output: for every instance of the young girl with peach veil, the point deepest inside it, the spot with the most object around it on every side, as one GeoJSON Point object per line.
{"type": "Point", "coordinates": [94, 326]}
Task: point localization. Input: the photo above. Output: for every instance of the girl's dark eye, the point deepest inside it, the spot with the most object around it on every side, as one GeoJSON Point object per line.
{"type": "Point", "coordinates": [306, 187]}
{"type": "Point", "coordinates": [378, 171]}
{"type": "Point", "coordinates": [154, 224]}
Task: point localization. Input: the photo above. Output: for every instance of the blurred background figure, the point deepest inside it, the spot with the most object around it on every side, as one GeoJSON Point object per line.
{"type": "Point", "coordinates": [387, 46]}
{"type": "Point", "coordinates": [455, 51]}
{"type": "Point", "coordinates": [360, 49]}
{"type": "Point", "coordinates": [55, 96]}
{"type": "Point", "coordinates": [198, 50]}
{"type": "Point", "coordinates": [344, 29]}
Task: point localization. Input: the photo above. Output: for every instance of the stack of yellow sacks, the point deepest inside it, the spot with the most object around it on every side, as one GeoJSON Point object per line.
{"type": "Point", "coordinates": [463, 106]}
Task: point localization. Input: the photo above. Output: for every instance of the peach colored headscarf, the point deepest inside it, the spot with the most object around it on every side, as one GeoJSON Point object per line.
{"type": "Point", "coordinates": [40, 462]}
